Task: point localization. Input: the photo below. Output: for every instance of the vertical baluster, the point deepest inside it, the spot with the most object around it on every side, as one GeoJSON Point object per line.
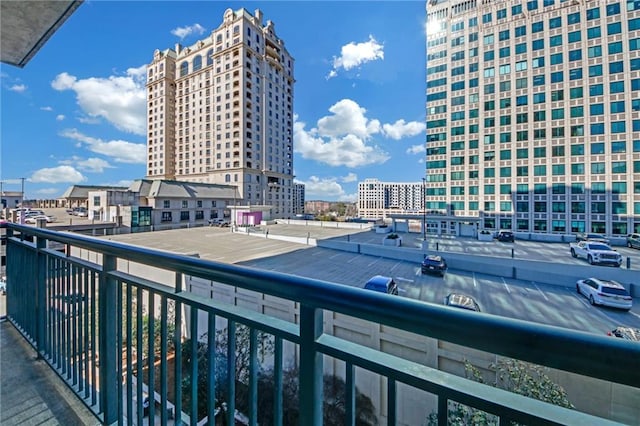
{"type": "Point", "coordinates": [350, 395]}
{"type": "Point", "coordinates": [211, 368]}
{"type": "Point", "coordinates": [310, 366]}
{"type": "Point", "coordinates": [391, 402]}
{"type": "Point", "coordinates": [151, 358]}
{"type": "Point", "coordinates": [253, 376]}
{"type": "Point", "coordinates": [194, 366]}
{"type": "Point", "coordinates": [231, 372]}
{"type": "Point", "coordinates": [277, 382]}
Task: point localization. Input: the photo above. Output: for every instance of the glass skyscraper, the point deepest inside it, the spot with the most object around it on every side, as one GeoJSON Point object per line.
{"type": "Point", "coordinates": [533, 114]}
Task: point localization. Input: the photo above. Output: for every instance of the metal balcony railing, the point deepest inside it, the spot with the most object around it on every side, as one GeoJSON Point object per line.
{"type": "Point", "coordinates": [116, 335]}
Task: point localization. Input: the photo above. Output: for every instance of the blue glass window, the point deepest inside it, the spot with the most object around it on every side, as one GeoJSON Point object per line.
{"type": "Point", "coordinates": [538, 80]}
{"type": "Point", "coordinates": [618, 127]}
{"type": "Point", "coordinates": [613, 9]}
{"type": "Point", "coordinates": [634, 64]}
{"type": "Point", "coordinates": [617, 107]}
{"type": "Point", "coordinates": [596, 109]}
{"type": "Point", "coordinates": [505, 52]}
{"type": "Point", "coordinates": [593, 32]}
{"type": "Point", "coordinates": [595, 70]}
{"type": "Point", "coordinates": [473, 22]}
{"type": "Point", "coordinates": [634, 44]}
{"type": "Point", "coordinates": [575, 55]}
{"type": "Point", "coordinates": [575, 74]}
{"type": "Point", "coordinates": [520, 31]}
{"type": "Point", "coordinates": [616, 87]}
{"type": "Point", "coordinates": [596, 90]}
{"type": "Point", "coordinates": [573, 18]}
{"type": "Point", "coordinates": [615, 47]}
{"type": "Point", "coordinates": [575, 36]}
{"type": "Point", "coordinates": [593, 13]}
{"type": "Point", "coordinates": [504, 35]}
{"type": "Point", "coordinates": [614, 28]}
{"type": "Point", "coordinates": [634, 24]}
{"type": "Point", "coordinates": [521, 48]}
{"type": "Point", "coordinates": [555, 40]}
{"type": "Point", "coordinates": [555, 22]}
{"type": "Point", "coordinates": [532, 4]}
{"type": "Point", "coordinates": [557, 77]}
{"type": "Point", "coordinates": [536, 27]}
{"type": "Point", "coordinates": [556, 58]}
{"type": "Point", "coordinates": [516, 10]}
{"type": "Point", "coordinates": [616, 67]}
{"type": "Point", "coordinates": [486, 18]}
{"type": "Point", "coordinates": [501, 14]}
{"type": "Point", "coordinates": [597, 129]}
{"type": "Point", "coordinates": [537, 44]}
{"type": "Point", "coordinates": [594, 51]}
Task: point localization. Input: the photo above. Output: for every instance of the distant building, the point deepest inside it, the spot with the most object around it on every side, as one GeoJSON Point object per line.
{"type": "Point", "coordinates": [221, 111]}
{"type": "Point", "coordinates": [78, 195]}
{"type": "Point", "coordinates": [317, 206]}
{"type": "Point", "coordinates": [11, 199]}
{"type": "Point", "coordinates": [533, 115]}
{"type": "Point", "coordinates": [163, 203]}
{"type": "Point", "coordinates": [379, 199]}
{"type": "Point", "coordinates": [298, 198]}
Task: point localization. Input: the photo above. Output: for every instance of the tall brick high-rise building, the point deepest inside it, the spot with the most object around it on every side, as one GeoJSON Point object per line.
{"type": "Point", "coordinates": [221, 111]}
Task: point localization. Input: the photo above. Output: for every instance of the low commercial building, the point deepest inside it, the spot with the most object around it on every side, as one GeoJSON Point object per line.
{"type": "Point", "coordinates": [149, 204]}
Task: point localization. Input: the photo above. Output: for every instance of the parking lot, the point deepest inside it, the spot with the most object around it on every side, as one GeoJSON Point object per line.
{"type": "Point", "coordinates": [525, 300]}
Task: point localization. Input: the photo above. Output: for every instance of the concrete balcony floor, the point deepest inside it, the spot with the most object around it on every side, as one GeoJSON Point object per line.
{"type": "Point", "coordinates": [30, 392]}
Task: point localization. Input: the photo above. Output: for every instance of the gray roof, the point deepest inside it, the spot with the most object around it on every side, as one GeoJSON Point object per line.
{"type": "Point", "coordinates": [82, 191]}
{"type": "Point", "coordinates": [27, 25]}
{"type": "Point", "coordinates": [180, 189]}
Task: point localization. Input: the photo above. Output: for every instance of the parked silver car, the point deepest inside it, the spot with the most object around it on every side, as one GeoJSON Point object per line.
{"type": "Point", "coordinates": [605, 292]}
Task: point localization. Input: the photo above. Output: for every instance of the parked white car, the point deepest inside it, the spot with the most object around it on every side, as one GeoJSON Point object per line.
{"type": "Point", "coordinates": [34, 219]}
{"type": "Point", "coordinates": [605, 292]}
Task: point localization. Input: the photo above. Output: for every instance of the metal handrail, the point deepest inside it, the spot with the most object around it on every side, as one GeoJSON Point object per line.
{"type": "Point", "coordinates": [578, 352]}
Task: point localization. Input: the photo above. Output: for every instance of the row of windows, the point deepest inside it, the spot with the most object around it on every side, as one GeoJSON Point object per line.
{"type": "Point", "coordinates": [536, 81]}
{"type": "Point", "coordinates": [619, 208]}
{"type": "Point", "coordinates": [595, 148]}
{"type": "Point", "coordinates": [556, 22]}
{"type": "Point", "coordinates": [576, 169]}
{"type": "Point", "coordinates": [575, 188]}
{"type": "Point", "coordinates": [577, 130]}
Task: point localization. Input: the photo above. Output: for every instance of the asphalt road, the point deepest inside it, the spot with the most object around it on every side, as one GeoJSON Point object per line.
{"type": "Point", "coordinates": [525, 300]}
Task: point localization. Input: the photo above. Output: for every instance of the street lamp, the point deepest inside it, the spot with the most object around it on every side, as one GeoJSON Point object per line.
{"type": "Point", "coordinates": [424, 211]}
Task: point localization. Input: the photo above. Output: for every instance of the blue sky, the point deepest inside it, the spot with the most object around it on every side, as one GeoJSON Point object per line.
{"type": "Point", "coordinates": [76, 113]}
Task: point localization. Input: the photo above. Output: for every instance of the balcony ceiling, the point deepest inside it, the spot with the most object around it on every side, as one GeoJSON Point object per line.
{"type": "Point", "coordinates": [27, 25]}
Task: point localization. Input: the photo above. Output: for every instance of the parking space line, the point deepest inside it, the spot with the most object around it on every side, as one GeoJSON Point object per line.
{"type": "Point", "coordinates": [540, 291]}
{"type": "Point", "coordinates": [374, 262]}
{"type": "Point", "coordinates": [474, 280]}
{"type": "Point", "coordinates": [352, 259]}
{"type": "Point", "coordinates": [394, 266]}
{"type": "Point", "coordinates": [335, 255]}
{"type": "Point", "coordinates": [418, 272]}
{"type": "Point", "coordinates": [506, 286]}
{"type": "Point", "coordinates": [317, 253]}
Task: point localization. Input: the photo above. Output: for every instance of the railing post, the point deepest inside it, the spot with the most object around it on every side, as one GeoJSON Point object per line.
{"type": "Point", "coordinates": [40, 296]}
{"type": "Point", "coordinates": [108, 321]}
{"type": "Point", "coordinates": [310, 366]}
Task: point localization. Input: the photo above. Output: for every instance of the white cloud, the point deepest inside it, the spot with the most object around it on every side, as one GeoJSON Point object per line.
{"type": "Point", "coordinates": [322, 188]}
{"type": "Point", "coordinates": [401, 129]}
{"type": "Point", "coordinates": [344, 138]}
{"type": "Point", "coordinates": [58, 174]}
{"type": "Point", "coordinates": [92, 165]}
{"type": "Point", "coordinates": [183, 32]}
{"type": "Point", "coordinates": [348, 118]}
{"type": "Point", "coordinates": [121, 151]}
{"type": "Point", "coordinates": [46, 108]}
{"type": "Point", "coordinates": [60, 117]}
{"type": "Point", "coordinates": [121, 100]}
{"type": "Point", "coordinates": [355, 54]}
{"type": "Point", "coordinates": [416, 149]}
{"type": "Point", "coordinates": [19, 88]}
{"type": "Point", "coordinates": [351, 177]}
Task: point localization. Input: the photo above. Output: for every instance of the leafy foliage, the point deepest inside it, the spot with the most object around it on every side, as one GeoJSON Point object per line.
{"type": "Point", "coordinates": [512, 375]}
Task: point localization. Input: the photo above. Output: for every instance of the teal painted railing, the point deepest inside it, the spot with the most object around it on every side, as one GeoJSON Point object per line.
{"type": "Point", "coordinates": [92, 320]}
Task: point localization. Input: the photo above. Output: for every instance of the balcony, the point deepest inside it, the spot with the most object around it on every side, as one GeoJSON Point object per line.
{"type": "Point", "coordinates": [101, 313]}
